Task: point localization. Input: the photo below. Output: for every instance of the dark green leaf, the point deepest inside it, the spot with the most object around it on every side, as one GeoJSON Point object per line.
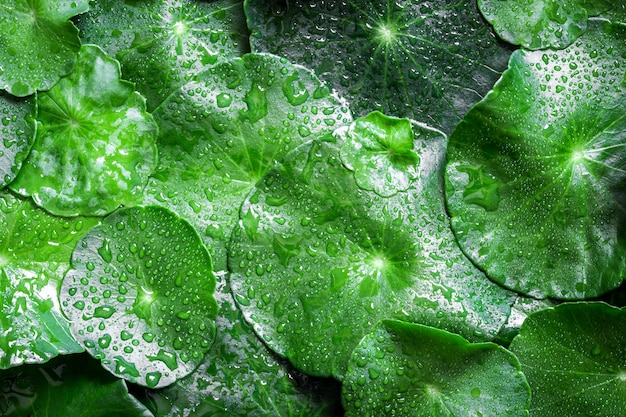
{"type": "Point", "coordinates": [536, 171]}
{"type": "Point", "coordinates": [573, 356]}
{"type": "Point", "coordinates": [140, 296]}
{"type": "Point", "coordinates": [403, 369]}
{"type": "Point", "coordinates": [428, 61]}
{"type": "Point", "coordinates": [17, 134]}
{"type": "Point", "coordinates": [95, 144]}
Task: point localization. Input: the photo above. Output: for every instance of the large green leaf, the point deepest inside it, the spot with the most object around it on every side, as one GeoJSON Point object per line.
{"type": "Point", "coordinates": [140, 296]}
{"type": "Point", "coordinates": [162, 43]}
{"type": "Point", "coordinates": [35, 251]}
{"type": "Point", "coordinates": [17, 134]}
{"type": "Point", "coordinates": [428, 61]}
{"type": "Point", "coordinates": [546, 23]}
{"type": "Point", "coordinates": [222, 131]}
{"type": "Point", "coordinates": [573, 356]}
{"type": "Point", "coordinates": [403, 369]}
{"type": "Point", "coordinates": [536, 171]}
{"type": "Point", "coordinates": [240, 377]}
{"type": "Point", "coordinates": [95, 143]}
{"type": "Point", "coordinates": [67, 386]}
{"type": "Point", "coordinates": [317, 260]}
{"type": "Point", "coordinates": [38, 43]}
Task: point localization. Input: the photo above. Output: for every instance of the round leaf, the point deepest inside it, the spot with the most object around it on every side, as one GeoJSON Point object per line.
{"type": "Point", "coordinates": [411, 59]}
{"type": "Point", "coordinates": [573, 357]}
{"type": "Point", "coordinates": [35, 251]}
{"type": "Point", "coordinates": [317, 261]}
{"type": "Point", "coordinates": [140, 296]}
{"type": "Point", "coordinates": [162, 43]}
{"type": "Point", "coordinates": [403, 369]}
{"type": "Point", "coordinates": [222, 131]}
{"type": "Point", "coordinates": [95, 143]}
{"type": "Point", "coordinates": [535, 187]}
{"type": "Point", "coordinates": [39, 43]}
{"type": "Point", "coordinates": [17, 134]}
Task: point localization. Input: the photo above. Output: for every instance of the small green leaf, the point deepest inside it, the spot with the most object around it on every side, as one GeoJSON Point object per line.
{"type": "Point", "coordinates": [536, 171]}
{"type": "Point", "coordinates": [17, 134]}
{"type": "Point", "coordinates": [223, 130]}
{"type": "Point", "coordinates": [68, 386]}
{"type": "Point", "coordinates": [161, 44]}
{"type": "Point", "coordinates": [403, 369]}
{"type": "Point", "coordinates": [35, 251]}
{"type": "Point", "coordinates": [380, 151]}
{"type": "Point", "coordinates": [39, 43]}
{"type": "Point", "coordinates": [95, 144]}
{"type": "Point", "coordinates": [428, 61]}
{"type": "Point", "coordinates": [140, 296]}
{"type": "Point", "coordinates": [573, 356]}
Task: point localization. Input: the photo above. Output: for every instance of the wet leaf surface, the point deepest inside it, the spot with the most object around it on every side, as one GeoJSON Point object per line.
{"type": "Point", "coordinates": [17, 134]}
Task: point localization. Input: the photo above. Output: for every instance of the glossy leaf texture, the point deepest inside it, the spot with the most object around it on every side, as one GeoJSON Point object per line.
{"type": "Point", "coordinates": [161, 44]}
{"type": "Point", "coordinates": [35, 251]}
{"type": "Point", "coordinates": [40, 43]}
{"type": "Point", "coordinates": [429, 61]}
{"type": "Point", "coordinates": [223, 130]}
{"type": "Point", "coordinates": [17, 133]}
{"type": "Point", "coordinates": [546, 23]}
{"type": "Point", "coordinates": [316, 261]}
{"type": "Point", "coordinates": [140, 296]}
{"type": "Point", "coordinates": [573, 357]}
{"type": "Point", "coordinates": [95, 142]}
{"type": "Point", "coordinates": [67, 386]}
{"type": "Point", "coordinates": [404, 369]}
{"type": "Point", "coordinates": [535, 175]}
{"type": "Point", "coordinates": [241, 377]}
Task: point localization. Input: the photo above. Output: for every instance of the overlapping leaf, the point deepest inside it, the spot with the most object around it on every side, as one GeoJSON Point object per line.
{"type": "Point", "coordinates": [140, 296]}
{"type": "Point", "coordinates": [17, 134]}
{"type": "Point", "coordinates": [536, 171]}
{"type": "Point", "coordinates": [317, 260]}
{"type": "Point", "coordinates": [429, 61]}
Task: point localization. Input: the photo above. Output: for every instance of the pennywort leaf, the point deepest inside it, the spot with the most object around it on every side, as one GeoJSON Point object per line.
{"type": "Point", "coordinates": [95, 142]}
{"type": "Point", "coordinates": [39, 43]}
{"type": "Point", "coordinates": [535, 186]}
{"type": "Point", "coordinates": [140, 296]}
{"type": "Point", "coordinates": [408, 369]}
{"type": "Point", "coordinates": [573, 357]}
{"type": "Point", "coordinates": [17, 134]}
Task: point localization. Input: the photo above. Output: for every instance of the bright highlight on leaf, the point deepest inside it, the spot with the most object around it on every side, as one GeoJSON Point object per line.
{"type": "Point", "coordinates": [95, 143]}
{"type": "Point", "coordinates": [535, 187]}
{"type": "Point", "coordinates": [38, 42]}
{"type": "Point", "coordinates": [404, 369]}
{"type": "Point", "coordinates": [140, 296]}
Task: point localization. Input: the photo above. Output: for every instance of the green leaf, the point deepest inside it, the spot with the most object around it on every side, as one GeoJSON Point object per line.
{"type": "Point", "coordinates": [573, 357]}
{"type": "Point", "coordinates": [161, 44]}
{"type": "Point", "coordinates": [222, 131]}
{"type": "Point", "coordinates": [428, 61]}
{"type": "Point", "coordinates": [317, 261]}
{"type": "Point", "coordinates": [535, 175]}
{"type": "Point", "coordinates": [35, 251]}
{"type": "Point", "coordinates": [68, 386]}
{"type": "Point", "coordinates": [38, 43]}
{"type": "Point", "coordinates": [403, 369]}
{"type": "Point", "coordinates": [379, 149]}
{"type": "Point", "coordinates": [95, 144]}
{"type": "Point", "coordinates": [140, 296]}
{"type": "Point", "coordinates": [17, 134]}
{"type": "Point", "coordinates": [546, 23]}
{"type": "Point", "coordinates": [240, 377]}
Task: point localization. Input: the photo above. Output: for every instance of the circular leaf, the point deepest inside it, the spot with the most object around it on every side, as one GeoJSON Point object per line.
{"type": "Point", "coordinates": [17, 134]}
{"type": "Point", "coordinates": [39, 43]}
{"type": "Point", "coordinates": [403, 369]}
{"type": "Point", "coordinates": [222, 131]}
{"type": "Point", "coordinates": [573, 356]}
{"type": "Point", "coordinates": [140, 296]}
{"type": "Point", "coordinates": [535, 186]}
{"type": "Point", "coordinates": [317, 261]}
{"type": "Point", "coordinates": [94, 148]}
